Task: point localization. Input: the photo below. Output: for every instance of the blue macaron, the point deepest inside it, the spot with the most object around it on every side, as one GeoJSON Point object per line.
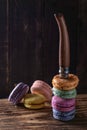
{"type": "Point", "coordinates": [64, 116]}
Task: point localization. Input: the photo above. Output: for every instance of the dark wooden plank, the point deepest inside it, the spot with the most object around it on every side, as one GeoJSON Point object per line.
{"type": "Point", "coordinates": [25, 41]}
{"type": "Point", "coordinates": [4, 49]}
{"type": "Point", "coordinates": [82, 46]}
{"type": "Point", "coordinates": [3, 21]}
{"type": "Point", "coordinates": [17, 117]}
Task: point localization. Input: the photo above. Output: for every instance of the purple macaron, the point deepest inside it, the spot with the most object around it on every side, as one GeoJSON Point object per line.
{"type": "Point", "coordinates": [18, 93]}
{"type": "Point", "coordinates": [62, 104]}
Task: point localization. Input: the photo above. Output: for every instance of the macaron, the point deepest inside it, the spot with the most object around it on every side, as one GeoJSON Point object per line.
{"type": "Point", "coordinates": [35, 101]}
{"type": "Point", "coordinates": [65, 94]}
{"type": "Point", "coordinates": [65, 84]}
{"type": "Point", "coordinates": [41, 87]}
{"type": "Point", "coordinates": [18, 93]}
{"type": "Point", "coordinates": [62, 104]}
{"type": "Point", "coordinates": [63, 116]}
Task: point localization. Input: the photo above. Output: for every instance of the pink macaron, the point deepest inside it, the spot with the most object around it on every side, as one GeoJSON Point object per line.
{"type": "Point", "coordinates": [41, 87]}
{"type": "Point", "coordinates": [62, 104]}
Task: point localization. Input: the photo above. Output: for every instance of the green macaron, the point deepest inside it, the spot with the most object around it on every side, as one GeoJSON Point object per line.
{"type": "Point", "coordinates": [65, 94]}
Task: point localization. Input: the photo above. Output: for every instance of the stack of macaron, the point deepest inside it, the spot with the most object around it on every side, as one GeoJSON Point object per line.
{"type": "Point", "coordinates": [64, 97]}
{"type": "Point", "coordinates": [36, 97]}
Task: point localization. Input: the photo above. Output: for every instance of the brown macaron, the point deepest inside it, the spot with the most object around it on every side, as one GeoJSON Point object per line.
{"type": "Point", "coordinates": [65, 84]}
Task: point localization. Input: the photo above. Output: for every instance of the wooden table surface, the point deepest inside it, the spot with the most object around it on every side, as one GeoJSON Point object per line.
{"type": "Point", "coordinates": [19, 118]}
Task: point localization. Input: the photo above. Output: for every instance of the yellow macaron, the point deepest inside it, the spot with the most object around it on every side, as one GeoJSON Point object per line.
{"type": "Point", "coordinates": [35, 101]}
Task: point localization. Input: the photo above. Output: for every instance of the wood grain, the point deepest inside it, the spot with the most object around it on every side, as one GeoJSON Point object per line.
{"type": "Point", "coordinates": [19, 118]}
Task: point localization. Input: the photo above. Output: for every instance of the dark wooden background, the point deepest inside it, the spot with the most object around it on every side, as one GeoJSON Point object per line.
{"type": "Point", "coordinates": [29, 41]}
